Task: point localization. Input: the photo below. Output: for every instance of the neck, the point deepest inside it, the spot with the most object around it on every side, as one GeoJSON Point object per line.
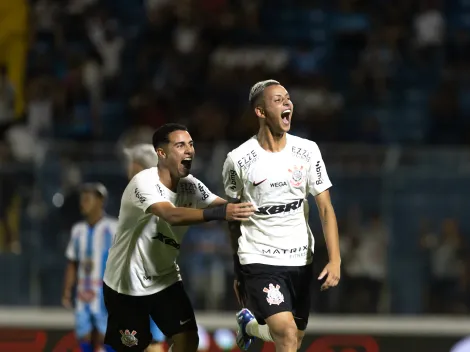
{"type": "Point", "coordinates": [167, 179]}
{"type": "Point", "coordinates": [93, 219]}
{"type": "Point", "coordinates": [270, 141]}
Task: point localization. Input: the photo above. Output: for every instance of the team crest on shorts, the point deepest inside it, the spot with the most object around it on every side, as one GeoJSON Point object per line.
{"type": "Point", "coordinates": [128, 338]}
{"type": "Point", "coordinates": [274, 295]}
{"type": "Point", "coordinates": [297, 176]}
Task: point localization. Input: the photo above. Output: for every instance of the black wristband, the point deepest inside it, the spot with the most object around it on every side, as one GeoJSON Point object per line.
{"type": "Point", "coordinates": [237, 267]}
{"type": "Point", "coordinates": [215, 213]}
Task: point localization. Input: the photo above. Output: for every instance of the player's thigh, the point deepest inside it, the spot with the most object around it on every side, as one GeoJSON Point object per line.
{"type": "Point", "coordinates": [172, 311]}
{"type": "Point", "coordinates": [266, 291]}
{"type": "Point", "coordinates": [128, 325]}
{"type": "Point", "coordinates": [302, 290]}
{"type": "Point", "coordinates": [83, 324]}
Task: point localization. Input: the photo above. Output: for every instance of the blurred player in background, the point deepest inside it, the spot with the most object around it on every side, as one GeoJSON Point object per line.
{"type": "Point", "coordinates": [276, 172]}
{"type": "Point", "coordinates": [87, 253]}
{"type": "Point", "coordinates": [141, 157]}
{"type": "Point", "coordinates": [142, 277]}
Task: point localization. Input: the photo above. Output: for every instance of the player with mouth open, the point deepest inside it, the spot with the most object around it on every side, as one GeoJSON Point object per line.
{"type": "Point", "coordinates": [141, 276]}
{"type": "Point", "coordinates": [276, 171]}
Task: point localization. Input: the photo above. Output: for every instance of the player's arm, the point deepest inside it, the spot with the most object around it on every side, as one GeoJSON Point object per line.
{"type": "Point", "coordinates": [178, 216]}
{"type": "Point", "coordinates": [319, 184]}
{"type": "Point", "coordinates": [69, 282]}
{"type": "Point", "coordinates": [71, 269]}
{"type": "Point", "coordinates": [233, 186]}
{"type": "Point", "coordinates": [329, 225]}
{"type": "Point", "coordinates": [146, 196]}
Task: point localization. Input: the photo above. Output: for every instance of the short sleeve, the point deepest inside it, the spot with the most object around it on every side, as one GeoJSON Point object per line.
{"type": "Point", "coordinates": [318, 177]}
{"type": "Point", "coordinates": [203, 196]}
{"type": "Point", "coordinates": [71, 253]}
{"type": "Point", "coordinates": [145, 192]}
{"type": "Point", "coordinates": [231, 178]}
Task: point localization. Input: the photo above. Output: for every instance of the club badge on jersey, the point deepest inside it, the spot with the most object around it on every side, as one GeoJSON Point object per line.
{"type": "Point", "coordinates": [128, 338]}
{"type": "Point", "coordinates": [274, 294]}
{"type": "Point", "coordinates": [297, 176]}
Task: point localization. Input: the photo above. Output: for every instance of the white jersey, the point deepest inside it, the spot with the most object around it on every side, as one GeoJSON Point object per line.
{"type": "Point", "coordinates": [142, 260]}
{"type": "Point", "coordinates": [89, 246]}
{"type": "Point", "coordinates": [278, 185]}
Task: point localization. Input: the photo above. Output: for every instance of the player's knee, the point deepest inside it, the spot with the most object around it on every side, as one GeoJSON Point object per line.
{"type": "Point", "coordinates": [284, 334]}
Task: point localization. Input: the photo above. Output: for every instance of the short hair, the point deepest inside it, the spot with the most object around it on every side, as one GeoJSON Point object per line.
{"type": "Point", "coordinates": [142, 154]}
{"type": "Point", "coordinates": [160, 136]}
{"type": "Point", "coordinates": [257, 90]}
{"type": "Point", "coordinates": [95, 187]}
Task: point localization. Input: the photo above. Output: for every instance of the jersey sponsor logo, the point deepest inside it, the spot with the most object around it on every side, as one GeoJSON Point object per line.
{"type": "Point", "coordinates": [301, 153]}
{"type": "Point", "coordinates": [297, 176]}
{"type": "Point", "coordinates": [139, 196]}
{"type": "Point", "coordinates": [160, 190]}
{"type": "Point", "coordinates": [274, 295]}
{"type": "Point", "coordinates": [166, 240]}
{"type": "Point", "coordinates": [278, 184]}
{"type": "Point", "coordinates": [319, 180]}
{"type": "Point", "coordinates": [233, 180]}
{"type": "Point", "coordinates": [128, 338]}
{"type": "Point", "coordinates": [188, 188]}
{"type": "Point", "coordinates": [258, 183]}
{"type": "Point", "coordinates": [281, 208]}
{"type": "Point", "coordinates": [247, 160]}
{"type": "Point", "coordinates": [203, 190]}
{"type": "Point", "coordinates": [296, 251]}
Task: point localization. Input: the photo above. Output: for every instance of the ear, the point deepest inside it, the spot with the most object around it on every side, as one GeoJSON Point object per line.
{"type": "Point", "coordinates": [161, 153]}
{"type": "Point", "coordinates": [259, 111]}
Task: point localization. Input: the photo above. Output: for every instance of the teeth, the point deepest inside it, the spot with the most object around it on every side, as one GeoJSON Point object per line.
{"type": "Point", "coordinates": [188, 159]}
{"type": "Point", "coordinates": [286, 111]}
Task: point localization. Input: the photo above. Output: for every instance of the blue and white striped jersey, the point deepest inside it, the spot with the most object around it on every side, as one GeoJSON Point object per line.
{"type": "Point", "coordinates": [89, 247]}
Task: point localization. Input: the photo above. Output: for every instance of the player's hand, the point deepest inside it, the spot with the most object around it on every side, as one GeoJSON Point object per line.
{"type": "Point", "coordinates": [67, 301]}
{"type": "Point", "coordinates": [239, 211]}
{"type": "Point", "coordinates": [332, 272]}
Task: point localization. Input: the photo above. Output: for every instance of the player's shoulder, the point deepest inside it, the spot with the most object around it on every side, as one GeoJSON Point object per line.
{"type": "Point", "coordinates": [302, 142]}
{"type": "Point", "coordinates": [247, 147]}
{"type": "Point", "coordinates": [145, 175]}
{"type": "Point", "coordinates": [110, 220]}
{"type": "Point", "coordinates": [79, 227]}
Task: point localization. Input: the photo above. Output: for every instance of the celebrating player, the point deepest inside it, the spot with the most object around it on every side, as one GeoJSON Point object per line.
{"type": "Point", "coordinates": [141, 157]}
{"type": "Point", "coordinates": [276, 171]}
{"type": "Point", "coordinates": [142, 277]}
{"type": "Point", "coordinates": [87, 252]}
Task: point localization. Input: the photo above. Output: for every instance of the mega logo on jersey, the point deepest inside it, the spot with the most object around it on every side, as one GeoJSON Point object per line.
{"type": "Point", "coordinates": [281, 208]}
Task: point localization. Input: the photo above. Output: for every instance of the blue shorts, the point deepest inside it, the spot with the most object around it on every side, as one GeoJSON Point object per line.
{"type": "Point", "coordinates": [86, 321]}
{"type": "Point", "coordinates": [156, 332]}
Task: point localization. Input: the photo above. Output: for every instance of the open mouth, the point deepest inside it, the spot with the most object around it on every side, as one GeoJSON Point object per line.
{"type": "Point", "coordinates": [187, 163]}
{"type": "Point", "coordinates": [285, 116]}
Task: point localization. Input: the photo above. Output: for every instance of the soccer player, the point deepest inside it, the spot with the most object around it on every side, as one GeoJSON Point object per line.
{"type": "Point", "coordinates": [142, 277]}
{"type": "Point", "coordinates": [87, 252]}
{"type": "Point", "coordinates": [276, 171]}
{"type": "Point", "coordinates": [141, 157]}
